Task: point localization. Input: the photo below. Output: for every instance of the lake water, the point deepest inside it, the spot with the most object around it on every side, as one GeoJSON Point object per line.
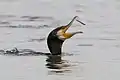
{"type": "Point", "coordinates": [93, 55]}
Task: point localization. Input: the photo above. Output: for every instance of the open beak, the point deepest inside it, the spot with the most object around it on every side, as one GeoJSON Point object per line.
{"type": "Point", "coordinates": [65, 28]}
{"type": "Point", "coordinates": [62, 32]}
{"type": "Point", "coordinates": [67, 35]}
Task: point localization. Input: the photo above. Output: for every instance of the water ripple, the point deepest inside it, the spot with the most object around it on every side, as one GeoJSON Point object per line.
{"type": "Point", "coordinates": [95, 38]}
{"type": "Point", "coordinates": [56, 65]}
{"type": "Point", "coordinates": [85, 45]}
{"type": "Point", "coordinates": [37, 40]}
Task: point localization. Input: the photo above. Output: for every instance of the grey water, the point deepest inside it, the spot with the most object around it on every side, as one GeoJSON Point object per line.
{"type": "Point", "coordinates": [93, 55]}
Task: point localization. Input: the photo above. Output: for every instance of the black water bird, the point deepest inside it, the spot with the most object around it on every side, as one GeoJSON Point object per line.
{"type": "Point", "coordinates": [55, 40]}
{"type": "Point", "coordinates": [57, 36]}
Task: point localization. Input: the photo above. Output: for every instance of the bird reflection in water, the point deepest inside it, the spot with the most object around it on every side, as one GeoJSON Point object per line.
{"type": "Point", "coordinates": [56, 65]}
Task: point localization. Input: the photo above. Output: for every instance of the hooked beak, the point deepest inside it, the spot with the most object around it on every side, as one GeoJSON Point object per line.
{"type": "Point", "coordinates": [62, 32]}
{"type": "Point", "coordinates": [65, 28]}
{"type": "Point", "coordinates": [68, 35]}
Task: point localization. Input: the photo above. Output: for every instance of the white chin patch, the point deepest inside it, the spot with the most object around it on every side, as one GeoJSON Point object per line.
{"type": "Point", "coordinates": [61, 37]}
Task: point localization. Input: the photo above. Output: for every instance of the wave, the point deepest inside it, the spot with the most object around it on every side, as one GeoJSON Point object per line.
{"type": "Point", "coordinates": [21, 52]}
{"type": "Point", "coordinates": [12, 21]}
{"type": "Point", "coordinates": [27, 52]}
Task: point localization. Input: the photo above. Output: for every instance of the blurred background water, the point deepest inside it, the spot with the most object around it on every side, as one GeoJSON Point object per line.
{"type": "Point", "coordinates": [25, 24]}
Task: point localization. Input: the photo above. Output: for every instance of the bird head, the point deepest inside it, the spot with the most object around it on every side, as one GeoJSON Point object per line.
{"type": "Point", "coordinates": [62, 31]}
{"type": "Point", "coordinates": [59, 35]}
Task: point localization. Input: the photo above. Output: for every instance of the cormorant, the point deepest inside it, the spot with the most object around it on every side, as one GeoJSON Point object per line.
{"type": "Point", "coordinates": [55, 40]}
{"type": "Point", "coordinates": [57, 36]}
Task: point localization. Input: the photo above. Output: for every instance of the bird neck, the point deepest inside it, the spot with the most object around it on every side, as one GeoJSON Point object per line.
{"type": "Point", "coordinates": [55, 46]}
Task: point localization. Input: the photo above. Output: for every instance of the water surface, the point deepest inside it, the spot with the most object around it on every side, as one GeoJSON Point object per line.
{"type": "Point", "coordinates": [93, 55]}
